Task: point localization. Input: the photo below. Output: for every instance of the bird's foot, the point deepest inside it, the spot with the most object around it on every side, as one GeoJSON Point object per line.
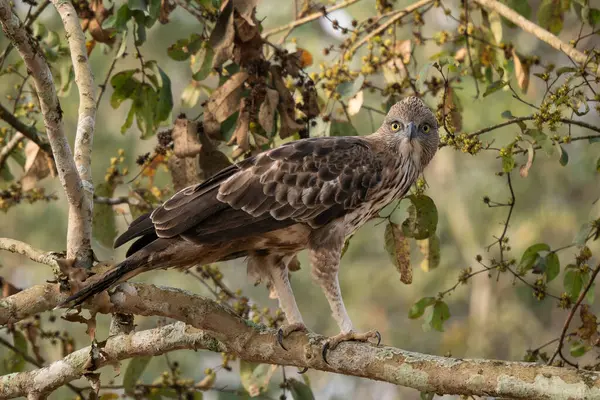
{"type": "Point", "coordinates": [333, 341]}
{"type": "Point", "coordinates": [287, 329]}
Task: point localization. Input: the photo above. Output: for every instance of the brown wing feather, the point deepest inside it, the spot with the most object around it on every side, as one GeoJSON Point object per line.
{"type": "Point", "coordinates": [308, 181]}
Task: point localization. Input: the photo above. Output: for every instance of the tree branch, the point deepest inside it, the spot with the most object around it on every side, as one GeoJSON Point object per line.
{"type": "Point", "coordinates": [223, 331]}
{"type": "Point", "coordinates": [22, 248]}
{"type": "Point", "coordinates": [382, 28]}
{"type": "Point", "coordinates": [157, 341]}
{"type": "Point", "coordinates": [28, 131]}
{"type": "Point", "coordinates": [307, 19]}
{"type": "Point", "coordinates": [10, 146]}
{"type": "Point", "coordinates": [52, 112]}
{"type": "Point", "coordinates": [537, 31]}
{"type": "Point", "coordinates": [79, 233]}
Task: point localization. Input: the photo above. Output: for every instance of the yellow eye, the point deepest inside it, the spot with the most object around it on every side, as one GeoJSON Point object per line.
{"type": "Point", "coordinates": [395, 126]}
{"type": "Point", "coordinates": [425, 128]}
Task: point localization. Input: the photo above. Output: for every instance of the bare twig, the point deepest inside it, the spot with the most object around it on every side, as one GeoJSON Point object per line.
{"type": "Point", "coordinates": [10, 146]}
{"type": "Point", "coordinates": [308, 18]}
{"type": "Point", "coordinates": [113, 201]}
{"type": "Point", "coordinates": [79, 233]}
{"type": "Point", "coordinates": [537, 31]}
{"type": "Point", "coordinates": [395, 18]}
{"type": "Point", "coordinates": [563, 334]}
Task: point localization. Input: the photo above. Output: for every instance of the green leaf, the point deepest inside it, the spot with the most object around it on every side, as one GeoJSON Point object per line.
{"type": "Point", "coordinates": [530, 256]}
{"type": "Point", "coordinates": [349, 89]}
{"type": "Point", "coordinates": [134, 371]}
{"type": "Point", "coordinates": [508, 162]}
{"type": "Point", "coordinates": [573, 283]}
{"type": "Point", "coordinates": [422, 217]}
{"type": "Point", "coordinates": [564, 70]}
{"type": "Point", "coordinates": [582, 235]}
{"type": "Point", "coordinates": [165, 98]}
{"type": "Point", "coordinates": [118, 20]}
{"type": "Point", "coordinates": [594, 139]}
{"type": "Point", "coordinates": [154, 9]}
{"type": "Point", "coordinates": [190, 95]}
{"type": "Point", "coordinates": [578, 349]}
{"type": "Point", "coordinates": [104, 225]}
{"type": "Point", "coordinates": [494, 87]}
{"type": "Point", "coordinates": [507, 115]}
{"type": "Point", "coordinates": [15, 362]}
{"type": "Point", "coordinates": [342, 128]}
{"type": "Point", "coordinates": [440, 314]}
{"type": "Point", "coordinates": [543, 140]}
{"type": "Point", "coordinates": [590, 15]}
{"type": "Point", "coordinates": [206, 66]}
{"type": "Point", "coordinates": [184, 48]}
{"type": "Point", "coordinates": [552, 266]}
{"type": "Point", "coordinates": [591, 294]}
{"type": "Point", "coordinates": [419, 307]}
{"type": "Point", "coordinates": [300, 390]}
{"type": "Point", "coordinates": [430, 248]}
{"type": "Point", "coordinates": [124, 85]}
{"type": "Point", "coordinates": [564, 156]}
{"type": "Point", "coordinates": [551, 15]}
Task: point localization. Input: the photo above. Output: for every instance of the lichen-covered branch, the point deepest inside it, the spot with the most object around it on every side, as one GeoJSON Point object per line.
{"type": "Point", "coordinates": [224, 331]}
{"type": "Point", "coordinates": [52, 113]}
{"type": "Point", "coordinates": [40, 382]}
{"type": "Point", "coordinates": [537, 31]}
{"type": "Point", "coordinates": [22, 248]}
{"type": "Point", "coordinates": [79, 233]}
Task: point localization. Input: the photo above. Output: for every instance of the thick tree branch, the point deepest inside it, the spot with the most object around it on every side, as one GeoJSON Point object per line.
{"type": "Point", "coordinates": [22, 248]}
{"type": "Point", "coordinates": [50, 106]}
{"type": "Point", "coordinates": [9, 147]}
{"type": "Point", "coordinates": [537, 31]}
{"type": "Point", "coordinates": [79, 234]}
{"type": "Point", "coordinates": [150, 342]}
{"type": "Point", "coordinates": [223, 331]}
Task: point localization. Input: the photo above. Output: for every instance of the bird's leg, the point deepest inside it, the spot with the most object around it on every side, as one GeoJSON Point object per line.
{"type": "Point", "coordinates": [279, 276]}
{"type": "Point", "coordinates": [325, 266]}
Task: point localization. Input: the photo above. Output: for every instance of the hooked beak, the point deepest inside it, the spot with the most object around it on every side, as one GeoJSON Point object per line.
{"type": "Point", "coordinates": [411, 130]}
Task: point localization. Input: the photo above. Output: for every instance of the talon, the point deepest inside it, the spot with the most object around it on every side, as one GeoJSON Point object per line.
{"type": "Point", "coordinates": [303, 370]}
{"type": "Point", "coordinates": [378, 335]}
{"type": "Point", "coordinates": [324, 352]}
{"type": "Point", "coordinates": [280, 339]}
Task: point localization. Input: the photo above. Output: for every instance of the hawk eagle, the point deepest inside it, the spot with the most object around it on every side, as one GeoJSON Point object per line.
{"type": "Point", "coordinates": [306, 194]}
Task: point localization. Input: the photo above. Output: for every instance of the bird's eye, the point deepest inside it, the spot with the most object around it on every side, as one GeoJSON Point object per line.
{"type": "Point", "coordinates": [396, 126]}
{"type": "Point", "coordinates": [425, 128]}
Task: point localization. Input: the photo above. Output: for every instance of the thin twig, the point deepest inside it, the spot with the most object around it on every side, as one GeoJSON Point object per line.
{"type": "Point", "coordinates": [294, 24]}
{"type": "Point", "coordinates": [28, 131]}
{"type": "Point", "coordinates": [572, 313]}
{"type": "Point", "coordinates": [10, 146]}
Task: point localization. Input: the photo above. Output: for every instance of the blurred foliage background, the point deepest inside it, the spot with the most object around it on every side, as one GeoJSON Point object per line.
{"type": "Point", "coordinates": [493, 315]}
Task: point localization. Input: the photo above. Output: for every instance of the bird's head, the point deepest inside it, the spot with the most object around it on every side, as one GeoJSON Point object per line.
{"type": "Point", "coordinates": [411, 128]}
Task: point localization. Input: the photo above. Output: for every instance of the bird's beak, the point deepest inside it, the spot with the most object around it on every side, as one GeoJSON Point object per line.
{"type": "Point", "coordinates": [411, 130]}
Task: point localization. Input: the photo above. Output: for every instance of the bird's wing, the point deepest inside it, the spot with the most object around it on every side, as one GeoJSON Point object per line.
{"type": "Point", "coordinates": [311, 181]}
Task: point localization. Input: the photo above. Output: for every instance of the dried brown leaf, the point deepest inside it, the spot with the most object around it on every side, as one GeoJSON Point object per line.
{"type": "Point", "coordinates": [398, 248]}
{"type": "Point", "coordinates": [246, 10]}
{"type": "Point", "coordinates": [460, 54]}
{"type": "Point", "coordinates": [223, 35]}
{"type": "Point", "coordinates": [90, 322]}
{"type": "Point", "coordinates": [240, 135]}
{"type": "Point", "coordinates": [36, 166]}
{"type": "Point", "coordinates": [166, 8]}
{"type": "Point", "coordinates": [286, 106]}
{"type": "Point", "coordinates": [8, 289]}
{"type": "Point", "coordinates": [452, 107]}
{"type": "Point", "coordinates": [524, 170]}
{"type": "Point", "coordinates": [32, 333]}
{"type": "Point", "coordinates": [310, 103]}
{"type": "Point", "coordinates": [226, 99]}
{"type": "Point", "coordinates": [521, 72]}
{"type": "Point", "coordinates": [266, 112]}
{"type": "Point", "coordinates": [589, 325]}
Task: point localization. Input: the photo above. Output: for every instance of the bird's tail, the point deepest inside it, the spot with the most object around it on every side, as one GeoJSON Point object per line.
{"type": "Point", "coordinates": [128, 268]}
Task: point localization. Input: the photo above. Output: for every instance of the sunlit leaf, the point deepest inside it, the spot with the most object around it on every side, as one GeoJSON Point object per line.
{"type": "Point", "coordinates": [496, 25]}
{"type": "Point", "coordinates": [521, 72]}
{"type": "Point", "coordinates": [430, 248]}
{"type": "Point", "coordinates": [205, 68]}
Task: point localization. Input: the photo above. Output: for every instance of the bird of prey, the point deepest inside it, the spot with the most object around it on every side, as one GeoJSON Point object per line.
{"type": "Point", "coordinates": [306, 194]}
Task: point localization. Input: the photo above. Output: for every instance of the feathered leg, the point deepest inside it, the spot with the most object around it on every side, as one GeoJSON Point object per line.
{"type": "Point", "coordinates": [325, 260]}
{"type": "Point", "coordinates": [274, 267]}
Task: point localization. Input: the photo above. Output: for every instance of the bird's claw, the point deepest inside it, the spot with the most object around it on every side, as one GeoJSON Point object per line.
{"type": "Point", "coordinates": [303, 370]}
{"type": "Point", "coordinates": [332, 342]}
{"type": "Point", "coordinates": [286, 330]}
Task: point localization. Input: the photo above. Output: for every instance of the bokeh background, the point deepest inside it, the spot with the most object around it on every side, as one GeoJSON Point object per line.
{"type": "Point", "coordinates": [491, 316]}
